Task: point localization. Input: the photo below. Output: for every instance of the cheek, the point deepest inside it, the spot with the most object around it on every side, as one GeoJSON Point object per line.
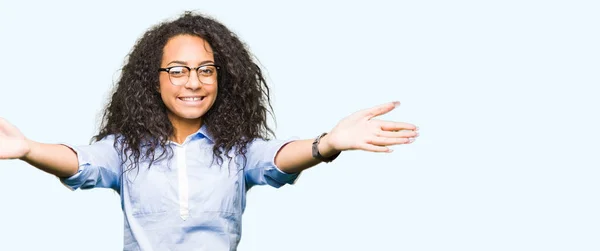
{"type": "Point", "coordinates": [214, 89]}
{"type": "Point", "coordinates": [162, 83]}
{"type": "Point", "coordinates": [167, 93]}
{"type": "Point", "coordinates": [164, 99]}
{"type": "Point", "coordinates": [165, 87]}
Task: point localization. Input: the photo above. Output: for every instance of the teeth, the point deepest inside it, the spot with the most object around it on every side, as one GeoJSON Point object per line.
{"type": "Point", "coordinates": [191, 99]}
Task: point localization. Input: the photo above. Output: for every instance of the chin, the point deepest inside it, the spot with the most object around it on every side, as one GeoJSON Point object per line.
{"type": "Point", "coordinates": [193, 116]}
{"type": "Point", "coordinates": [186, 115]}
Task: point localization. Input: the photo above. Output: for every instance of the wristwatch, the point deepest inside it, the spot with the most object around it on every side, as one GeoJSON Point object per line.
{"type": "Point", "coordinates": [315, 150]}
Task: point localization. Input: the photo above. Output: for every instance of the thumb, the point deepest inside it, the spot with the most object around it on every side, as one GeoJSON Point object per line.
{"type": "Point", "coordinates": [7, 129]}
{"type": "Point", "coordinates": [379, 110]}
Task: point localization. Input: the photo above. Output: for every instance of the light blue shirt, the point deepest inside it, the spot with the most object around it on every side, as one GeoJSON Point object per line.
{"type": "Point", "coordinates": [182, 203]}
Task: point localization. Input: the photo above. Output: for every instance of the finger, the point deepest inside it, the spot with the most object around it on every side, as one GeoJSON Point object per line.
{"type": "Point", "coordinates": [375, 148]}
{"type": "Point", "coordinates": [5, 127]}
{"type": "Point", "coordinates": [379, 110]}
{"type": "Point", "coordinates": [398, 134]}
{"type": "Point", "coordinates": [3, 123]}
{"type": "Point", "coordinates": [382, 141]}
{"type": "Point", "coordinates": [394, 126]}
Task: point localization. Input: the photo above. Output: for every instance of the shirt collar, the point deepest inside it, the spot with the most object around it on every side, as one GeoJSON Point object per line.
{"type": "Point", "coordinates": [203, 132]}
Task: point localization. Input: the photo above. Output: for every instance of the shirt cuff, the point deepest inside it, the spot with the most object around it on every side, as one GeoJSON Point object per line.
{"type": "Point", "coordinates": [275, 176]}
{"type": "Point", "coordinates": [76, 181]}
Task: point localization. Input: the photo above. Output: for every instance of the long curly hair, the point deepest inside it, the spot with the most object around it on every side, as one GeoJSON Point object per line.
{"type": "Point", "coordinates": [137, 116]}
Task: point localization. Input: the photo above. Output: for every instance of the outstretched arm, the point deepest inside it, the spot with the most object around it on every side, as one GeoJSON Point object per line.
{"type": "Point", "coordinates": [359, 131]}
{"type": "Point", "coordinates": [55, 159]}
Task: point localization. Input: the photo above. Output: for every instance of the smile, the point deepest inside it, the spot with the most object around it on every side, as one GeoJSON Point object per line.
{"type": "Point", "coordinates": [191, 98]}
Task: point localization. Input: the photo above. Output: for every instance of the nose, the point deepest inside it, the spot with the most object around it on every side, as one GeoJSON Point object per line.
{"type": "Point", "coordinates": [193, 82]}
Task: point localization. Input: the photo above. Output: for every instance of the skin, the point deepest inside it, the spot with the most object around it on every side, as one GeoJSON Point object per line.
{"type": "Point", "coordinates": [358, 131]}
{"type": "Point", "coordinates": [186, 116]}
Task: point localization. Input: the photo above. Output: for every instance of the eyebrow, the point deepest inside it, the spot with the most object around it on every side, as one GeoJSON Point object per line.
{"type": "Point", "coordinates": [185, 63]}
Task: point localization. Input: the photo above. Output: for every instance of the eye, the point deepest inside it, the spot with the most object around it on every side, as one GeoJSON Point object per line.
{"type": "Point", "coordinates": [178, 71]}
{"type": "Point", "coordinates": [206, 70]}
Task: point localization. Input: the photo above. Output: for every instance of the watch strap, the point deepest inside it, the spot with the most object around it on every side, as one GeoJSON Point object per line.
{"type": "Point", "coordinates": [315, 150]}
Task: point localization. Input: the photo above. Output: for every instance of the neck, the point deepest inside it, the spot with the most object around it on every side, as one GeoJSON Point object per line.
{"type": "Point", "coordinates": [184, 128]}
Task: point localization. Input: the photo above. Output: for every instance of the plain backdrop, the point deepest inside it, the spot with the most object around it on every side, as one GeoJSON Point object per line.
{"type": "Point", "coordinates": [505, 94]}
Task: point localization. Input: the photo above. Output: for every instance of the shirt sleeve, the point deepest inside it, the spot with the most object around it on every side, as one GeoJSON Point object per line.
{"type": "Point", "coordinates": [260, 168]}
{"type": "Point", "coordinates": [99, 166]}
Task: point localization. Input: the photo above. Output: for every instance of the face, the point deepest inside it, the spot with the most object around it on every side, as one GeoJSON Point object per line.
{"type": "Point", "coordinates": [189, 101]}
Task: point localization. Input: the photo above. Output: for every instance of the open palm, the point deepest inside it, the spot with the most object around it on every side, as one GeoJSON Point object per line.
{"type": "Point", "coordinates": [13, 144]}
{"type": "Point", "coordinates": [360, 131]}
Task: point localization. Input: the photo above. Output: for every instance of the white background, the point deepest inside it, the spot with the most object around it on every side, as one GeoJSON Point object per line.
{"type": "Point", "coordinates": [505, 94]}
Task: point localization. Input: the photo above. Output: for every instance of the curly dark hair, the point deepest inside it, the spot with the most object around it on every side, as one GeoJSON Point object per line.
{"type": "Point", "coordinates": [137, 115]}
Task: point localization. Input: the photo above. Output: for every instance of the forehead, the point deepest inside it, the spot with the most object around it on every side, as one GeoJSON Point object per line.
{"type": "Point", "coordinates": [187, 48]}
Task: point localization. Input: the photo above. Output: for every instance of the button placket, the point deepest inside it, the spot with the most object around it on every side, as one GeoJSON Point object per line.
{"type": "Point", "coordinates": [184, 209]}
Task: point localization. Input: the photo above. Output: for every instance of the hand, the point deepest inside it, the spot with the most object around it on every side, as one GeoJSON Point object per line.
{"type": "Point", "coordinates": [360, 131]}
{"type": "Point", "coordinates": [13, 144]}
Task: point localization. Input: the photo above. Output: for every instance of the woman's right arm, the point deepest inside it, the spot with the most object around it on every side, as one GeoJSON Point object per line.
{"type": "Point", "coordinates": [55, 159]}
{"type": "Point", "coordinates": [85, 167]}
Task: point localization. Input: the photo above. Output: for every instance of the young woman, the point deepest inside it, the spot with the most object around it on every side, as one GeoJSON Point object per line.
{"type": "Point", "coordinates": [185, 136]}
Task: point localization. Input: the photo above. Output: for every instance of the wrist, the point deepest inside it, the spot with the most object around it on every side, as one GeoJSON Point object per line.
{"type": "Point", "coordinates": [325, 147]}
{"type": "Point", "coordinates": [28, 146]}
{"type": "Point", "coordinates": [323, 150]}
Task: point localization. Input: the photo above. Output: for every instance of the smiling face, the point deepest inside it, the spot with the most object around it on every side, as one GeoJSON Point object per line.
{"type": "Point", "coordinates": [187, 103]}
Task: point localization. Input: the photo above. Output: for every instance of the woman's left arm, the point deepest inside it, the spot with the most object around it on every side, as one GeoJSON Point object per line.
{"type": "Point", "coordinates": [359, 131]}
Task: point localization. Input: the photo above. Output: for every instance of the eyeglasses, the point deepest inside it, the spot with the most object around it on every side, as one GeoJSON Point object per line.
{"type": "Point", "coordinates": [180, 75]}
